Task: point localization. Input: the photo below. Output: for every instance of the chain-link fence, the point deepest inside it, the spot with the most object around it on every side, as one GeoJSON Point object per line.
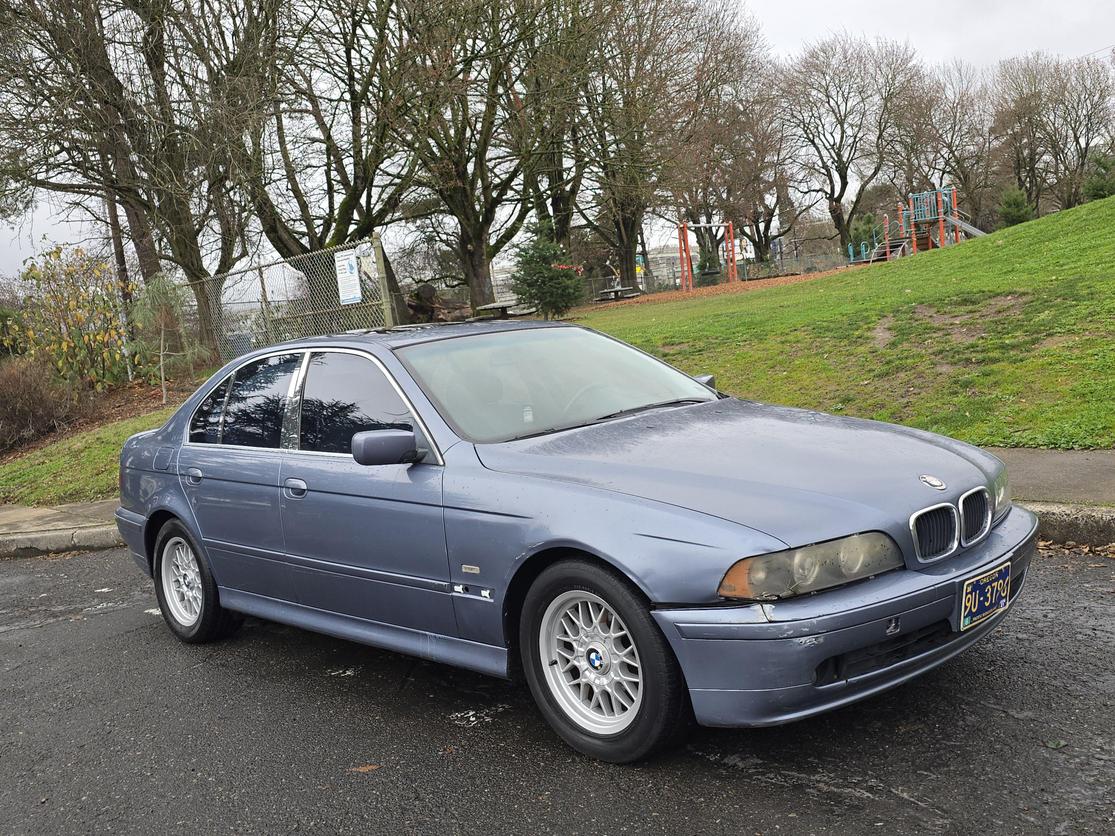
{"type": "Point", "coordinates": [323, 292]}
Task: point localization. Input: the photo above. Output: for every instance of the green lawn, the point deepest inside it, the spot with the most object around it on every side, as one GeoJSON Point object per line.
{"type": "Point", "coordinates": [79, 468]}
{"type": "Point", "coordinates": [1006, 340]}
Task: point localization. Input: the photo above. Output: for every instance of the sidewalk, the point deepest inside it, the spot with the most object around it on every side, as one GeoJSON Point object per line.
{"type": "Point", "coordinates": [1085, 477]}
{"type": "Point", "coordinates": [82, 526]}
{"type": "Point", "coordinates": [1073, 491]}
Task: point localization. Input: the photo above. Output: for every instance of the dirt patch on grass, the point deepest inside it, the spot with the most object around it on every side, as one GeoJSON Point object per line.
{"type": "Point", "coordinates": [881, 334]}
{"type": "Point", "coordinates": [968, 327]}
{"type": "Point", "coordinates": [715, 290]}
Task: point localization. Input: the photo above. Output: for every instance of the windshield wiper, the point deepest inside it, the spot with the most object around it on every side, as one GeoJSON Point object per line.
{"type": "Point", "coordinates": [623, 413]}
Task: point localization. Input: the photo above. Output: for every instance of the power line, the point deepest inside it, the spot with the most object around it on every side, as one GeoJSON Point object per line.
{"type": "Point", "coordinates": [1101, 49]}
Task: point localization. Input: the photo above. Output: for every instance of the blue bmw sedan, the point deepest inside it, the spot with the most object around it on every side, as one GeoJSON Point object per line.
{"type": "Point", "coordinates": [538, 500]}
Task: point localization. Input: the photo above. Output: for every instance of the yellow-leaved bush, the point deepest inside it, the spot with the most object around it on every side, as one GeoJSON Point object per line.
{"type": "Point", "coordinates": [72, 317]}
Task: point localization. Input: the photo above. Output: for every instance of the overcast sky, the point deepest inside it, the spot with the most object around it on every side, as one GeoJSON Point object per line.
{"type": "Point", "coordinates": [979, 31]}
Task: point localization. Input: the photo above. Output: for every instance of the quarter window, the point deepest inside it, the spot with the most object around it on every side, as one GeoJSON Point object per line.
{"type": "Point", "coordinates": [345, 394]}
{"type": "Point", "coordinates": [205, 428]}
{"type": "Point", "coordinates": [253, 416]}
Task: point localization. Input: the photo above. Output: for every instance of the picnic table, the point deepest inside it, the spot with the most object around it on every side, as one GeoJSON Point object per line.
{"type": "Point", "coordinates": [502, 310]}
{"type": "Point", "coordinates": [611, 294]}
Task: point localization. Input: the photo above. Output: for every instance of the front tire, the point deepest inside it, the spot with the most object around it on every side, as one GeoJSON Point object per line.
{"type": "Point", "coordinates": [597, 665]}
{"type": "Point", "coordinates": [186, 591]}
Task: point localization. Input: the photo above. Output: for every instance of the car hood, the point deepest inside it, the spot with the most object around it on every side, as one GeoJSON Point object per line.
{"type": "Point", "coordinates": [800, 476]}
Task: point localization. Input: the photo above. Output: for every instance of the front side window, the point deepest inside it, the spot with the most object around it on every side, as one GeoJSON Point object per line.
{"type": "Point", "coordinates": [344, 394]}
{"type": "Point", "coordinates": [253, 416]}
{"type": "Point", "coordinates": [205, 427]}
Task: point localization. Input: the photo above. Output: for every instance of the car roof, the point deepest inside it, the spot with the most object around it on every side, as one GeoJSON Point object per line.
{"type": "Point", "coordinates": [404, 335]}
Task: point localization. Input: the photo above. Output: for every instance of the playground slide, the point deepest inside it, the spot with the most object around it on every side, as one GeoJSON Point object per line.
{"type": "Point", "coordinates": [965, 227]}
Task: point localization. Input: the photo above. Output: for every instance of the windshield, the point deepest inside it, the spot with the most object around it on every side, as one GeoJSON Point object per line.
{"type": "Point", "coordinates": [511, 384]}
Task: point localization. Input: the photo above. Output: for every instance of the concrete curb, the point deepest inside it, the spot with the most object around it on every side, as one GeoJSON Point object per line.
{"type": "Point", "coordinates": [1085, 525]}
{"type": "Point", "coordinates": [1082, 524]}
{"type": "Point", "coordinates": [34, 543]}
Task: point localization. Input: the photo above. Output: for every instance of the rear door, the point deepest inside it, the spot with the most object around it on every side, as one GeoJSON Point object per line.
{"type": "Point", "coordinates": [229, 469]}
{"type": "Point", "coordinates": [364, 541]}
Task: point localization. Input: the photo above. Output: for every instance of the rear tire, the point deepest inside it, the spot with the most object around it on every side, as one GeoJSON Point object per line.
{"type": "Point", "coordinates": [600, 670]}
{"type": "Point", "coordinates": [186, 590]}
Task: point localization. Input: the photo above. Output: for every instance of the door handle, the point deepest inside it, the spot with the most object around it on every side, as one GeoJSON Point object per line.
{"type": "Point", "coordinates": [193, 475]}
{"type": "Point", "coordinates": [295, 488]}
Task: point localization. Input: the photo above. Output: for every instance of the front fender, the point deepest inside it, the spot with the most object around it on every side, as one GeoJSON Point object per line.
{"type": "Point", "coordinates": [496, 524]}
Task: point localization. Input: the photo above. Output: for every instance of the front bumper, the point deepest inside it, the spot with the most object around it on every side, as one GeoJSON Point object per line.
{"type": "Point", "coordinates": [766, 664]}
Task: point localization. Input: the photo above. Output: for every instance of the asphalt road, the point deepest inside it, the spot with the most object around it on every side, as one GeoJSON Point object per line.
{"type": "Point", "coordinates": [109, 724]}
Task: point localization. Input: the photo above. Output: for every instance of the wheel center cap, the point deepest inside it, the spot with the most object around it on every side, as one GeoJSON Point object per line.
{"type": "Point", "coordinates": [596, 658]}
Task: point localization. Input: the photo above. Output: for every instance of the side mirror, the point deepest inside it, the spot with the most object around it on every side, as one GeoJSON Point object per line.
{"type": "Point", "coordinates": [381, 447]}
{"type": "Point", "coordinates": [708, 379]}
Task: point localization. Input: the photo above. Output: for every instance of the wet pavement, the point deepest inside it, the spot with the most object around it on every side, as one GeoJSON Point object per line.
{"type": "Point", "coordinates": [108, 723]}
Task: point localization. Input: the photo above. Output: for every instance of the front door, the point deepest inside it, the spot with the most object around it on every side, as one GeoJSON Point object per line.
{"type": "Point", "coordinates": [363, 541]}
{"type": "Point", "coordinates": [229, 469]}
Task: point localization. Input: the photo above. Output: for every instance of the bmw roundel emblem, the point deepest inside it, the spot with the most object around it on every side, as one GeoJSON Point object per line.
{"type": "Point", "coordinates": [933, 482]}
{"type": "Point", "coordinates": [595, 659]}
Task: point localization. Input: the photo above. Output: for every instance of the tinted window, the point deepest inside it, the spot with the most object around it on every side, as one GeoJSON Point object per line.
{"type": "Point", "coordinates": [343, 395]}
{"type": "Point", "coordinates": [205, 428]}
{"type": "Point", "coordinates": [254, 413]}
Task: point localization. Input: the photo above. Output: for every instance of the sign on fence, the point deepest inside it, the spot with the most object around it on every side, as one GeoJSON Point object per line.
{"type": "Point", "coordinates": [348, 277]}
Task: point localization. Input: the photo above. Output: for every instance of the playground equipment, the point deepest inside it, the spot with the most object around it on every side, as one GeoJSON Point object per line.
{"type": "Point", "coordinates": [686, 258]}
{"type": "Point", "coordinates": [926, 221]}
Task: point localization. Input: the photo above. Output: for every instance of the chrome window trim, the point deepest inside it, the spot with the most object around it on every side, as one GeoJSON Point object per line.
{"type": "Point", "coordinates": [985, 529]}
{"type": "Point", "coordinates": [298, 378]}
{"type": "Point", "coordinates": [955, 532]}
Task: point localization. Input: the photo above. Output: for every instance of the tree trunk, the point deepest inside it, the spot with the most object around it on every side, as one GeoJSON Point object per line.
{"type": "Point", "coordinates": [843, 227]}
{"type": "Point", "coordinates": [708, 248]}
{"type": "Point", "coordinates": [207, 293]}
{"type": "Point", "coordinates": [398, 302]}
{"type": "Point", "coordinates": [122, 282]}
{"type": "Point", "coordinates": [627, 233]}
{"type": "Point", "coordinates": [473, 253]}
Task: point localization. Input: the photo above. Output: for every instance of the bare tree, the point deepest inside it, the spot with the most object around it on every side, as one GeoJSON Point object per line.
{"type": "Point", "coordinates": [648, 82]}
{"type": "Point", "coordinates": [1020, 85]}
{"type": "Point", "coordinates": [963, 131]}
{"type": "Point", "coordinates": [843, 95]}
{"type": "Point", "coordinates": [133, 102]}
{"type": "Point", "coordinates": [464, 118]}
{"type": "Point", "coordinates": [1076, 117]}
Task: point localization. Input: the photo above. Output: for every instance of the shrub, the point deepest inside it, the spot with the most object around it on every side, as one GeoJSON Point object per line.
{"type": "Point", "coordinates": [162, 346]}
{"type": "Point", "coordinates": [11, 331]}
{"type": "Point", "coordinates": [1014, 208]}
{"type": "Point", "coordinates": [72, 319]}
{"type": "Point", "coordinates": [539, 281]}
{"type": "Point", "coordinates": [1101, 180]}
{"type": "Point", "coordinates": [34, 404]}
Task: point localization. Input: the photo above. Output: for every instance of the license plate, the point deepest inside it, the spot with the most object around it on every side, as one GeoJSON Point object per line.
{"type": "Point", "coordinates": [984, 596]}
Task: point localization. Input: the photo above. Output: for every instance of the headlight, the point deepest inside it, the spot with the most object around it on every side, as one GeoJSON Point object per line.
{"type": "Point", "coordinates": [1000, 492]}
{"type": "Point", "coordinates": [822, 566]}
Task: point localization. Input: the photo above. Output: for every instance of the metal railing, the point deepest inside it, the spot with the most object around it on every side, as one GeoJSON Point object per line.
{"type": "Point", "coordinates": [322, 292]}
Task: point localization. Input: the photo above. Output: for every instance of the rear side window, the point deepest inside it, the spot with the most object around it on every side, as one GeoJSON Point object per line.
{"type": "Point", "coordinates": [205, 428]}
{"type": "Point", "coordinates": [253, 415]}
{"type": "Point", "coordinates": [345, 394]}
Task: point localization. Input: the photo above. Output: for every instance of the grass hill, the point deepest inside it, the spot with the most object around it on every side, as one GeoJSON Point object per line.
{"type": "Point", "coordinates": [1006, 340]}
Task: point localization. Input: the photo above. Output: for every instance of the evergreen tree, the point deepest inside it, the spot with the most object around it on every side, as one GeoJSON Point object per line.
{"type": "Point", "coordinates": [538, 281]}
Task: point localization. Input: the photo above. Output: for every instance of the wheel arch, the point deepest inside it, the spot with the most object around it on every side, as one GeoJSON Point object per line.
{"type": "Point", "coordinates": [527, 572]}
